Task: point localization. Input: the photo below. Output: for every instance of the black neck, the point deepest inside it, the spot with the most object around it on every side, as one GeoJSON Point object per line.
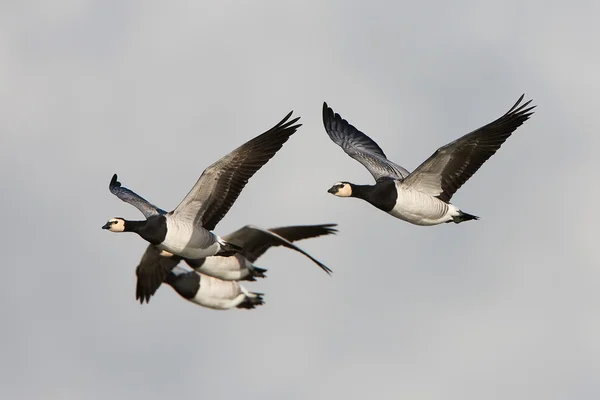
{"type": "Point", "coordinates": [362, 191]}
{"type": "Point", "coordinates": [154, 229]}
{"type": "Point", "coordinates": [186, 285]}
{"type": "Point", "coordinates": [134, 226]}
{"type": "Point", "coordinates": [382, 195]}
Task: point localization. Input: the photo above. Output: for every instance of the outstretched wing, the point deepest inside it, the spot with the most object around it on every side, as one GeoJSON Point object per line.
{"type": "Point", "coordinates": [360, 147]}
{"type": "Point", "coordinates": [220, 184]}
{"type": "Point", "coordinates": [152, 272]}
{"type": "Point", "coordinates": [452, 165]}
{"type": "Point", "coordinates": [129, 196]}
{"type": "Point", "coordinates": [255, 241]}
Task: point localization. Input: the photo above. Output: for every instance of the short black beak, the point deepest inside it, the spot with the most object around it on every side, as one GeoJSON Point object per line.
{"type": "Point", "coordinates": [106, 226]}
{"type": "Point", "coordinates": [332, 190]}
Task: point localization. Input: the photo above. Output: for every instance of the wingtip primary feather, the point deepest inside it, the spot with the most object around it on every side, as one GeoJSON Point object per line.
{"type": "Point", "coordinates": [324, 267]}
{"type": "Point", "coordinates": [329, 229]}
{"type": "Point", "coordinates": [142, 298]}
{"type": "Point", "coordinates": [287, 116]}
{"type": "Point", "coordinates": [114, 183]}
{"type": "Point", "coordinates": [519, 108]}
{"type": "Point", "coordinates": [284, 123]}
{"type": "Point", "coordinates": [328, 114]}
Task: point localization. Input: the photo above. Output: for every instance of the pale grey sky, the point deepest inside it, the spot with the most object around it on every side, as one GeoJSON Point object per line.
{"type": "Point", "coordinates": [505, 307]}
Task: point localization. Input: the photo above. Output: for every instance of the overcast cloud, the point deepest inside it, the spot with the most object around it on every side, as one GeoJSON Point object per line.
{"type": "Point", "coordinates": [503, 308]}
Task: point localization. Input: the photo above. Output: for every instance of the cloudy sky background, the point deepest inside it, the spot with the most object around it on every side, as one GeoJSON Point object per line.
{"type": "Point", "coordinates": [506, 307]}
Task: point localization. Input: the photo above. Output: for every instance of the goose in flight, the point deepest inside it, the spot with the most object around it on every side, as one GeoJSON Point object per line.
{"type": "Point", "coordinates": [423, 196]}
{"type": "Point", "coordinates": [186, 231]}
{"type": "Point", "coordinates": [254, 241]}
{"type": "Point", "coordinates": [210, 292]}
{"type": "Point", "coordinates": [154, 268]}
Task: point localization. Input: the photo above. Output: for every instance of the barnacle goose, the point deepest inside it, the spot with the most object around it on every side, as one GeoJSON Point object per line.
{"type": "Point", "coordinates": [186, 231]}
{"type": "Point", "coordinates": [423, 196]}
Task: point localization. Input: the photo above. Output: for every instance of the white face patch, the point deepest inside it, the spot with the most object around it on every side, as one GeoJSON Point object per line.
{"type": "Point", "coordinates": [116, 225]}
{"type": "Point", "coordinates": [343, 189]}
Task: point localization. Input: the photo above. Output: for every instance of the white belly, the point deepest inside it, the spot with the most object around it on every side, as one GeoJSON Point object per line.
{"type": "Point", "coordinates": [185, 240]}
{"type": "Point", "coordinates": [421, 209]}
{"type": "Point", "coordinates": [228, 268]}
{"type": "Point", "coordinates": [218, 294]}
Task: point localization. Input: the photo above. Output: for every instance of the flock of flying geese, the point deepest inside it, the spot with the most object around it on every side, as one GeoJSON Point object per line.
{"type": "Point", "coordinates": [216, 264]}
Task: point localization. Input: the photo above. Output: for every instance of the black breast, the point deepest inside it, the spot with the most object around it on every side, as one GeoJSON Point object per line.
{"type": "Point", "coordinates": [186, 285]}
{"type": "Point", "coordinates": [155, 229]}
{"type": "Point", "coordinates": [383, 195]}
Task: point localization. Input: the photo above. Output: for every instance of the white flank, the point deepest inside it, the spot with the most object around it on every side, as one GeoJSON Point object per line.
{"type": "Point", "coordinates": [228, 268]}
{"type": "Point", "coordinates": [217, 294]}
{"type": "Point", "coordinates": [179, 240]}
{"type": "Point", "coordinates": [420, 208]}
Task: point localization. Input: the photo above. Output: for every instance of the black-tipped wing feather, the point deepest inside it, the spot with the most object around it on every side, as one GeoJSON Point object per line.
{"type": "Point", "coordinates": [129, 196]}
{"type": "Point", "coordinates": [452, 165]}
{"type": "Point", "coordinates": [260, 244]}
{"type": "Point", "coordinates": [152, 272]}
{"type": "Point", "coordinates": [221, 183]}
{"type": "Point", "coordinates": [255, 241]}
{"type": "Point", "coordinates": [360, 147]}
{"type": "Point", "coordinates": [300, 232]}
